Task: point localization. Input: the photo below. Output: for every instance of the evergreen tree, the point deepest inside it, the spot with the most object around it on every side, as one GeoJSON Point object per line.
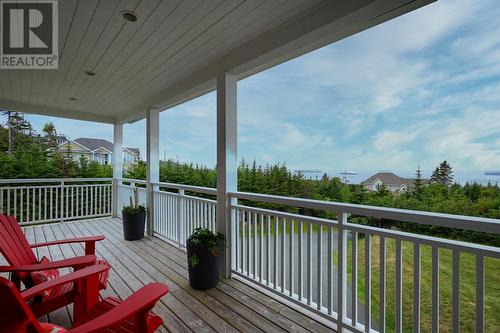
{"type": "Point", "coordinates": [435, 176]}
{"type": "Point", "coordinates": [446, 173]}
{"type": "Point", "coordinates": [51, 134]}
{"type": "Point", "coordinates": [443, 174]}
{"type": "Point", "coordinates": [417, 188]}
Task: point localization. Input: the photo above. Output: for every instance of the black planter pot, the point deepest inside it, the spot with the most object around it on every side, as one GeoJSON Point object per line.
{"type": "Point", "coordinates": [205, 275]}
{"type": "Point", "coordinates": [133, 226]}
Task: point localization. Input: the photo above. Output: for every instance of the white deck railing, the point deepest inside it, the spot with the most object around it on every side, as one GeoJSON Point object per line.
{"type": "Point", "coordinates": [125, 190]}
{"type": "Point", "coordinates": [178, 211]}
{"type": "Point", "coordinates": [34, 201]}
{"type": "Point", "coordinates": [306, 259]}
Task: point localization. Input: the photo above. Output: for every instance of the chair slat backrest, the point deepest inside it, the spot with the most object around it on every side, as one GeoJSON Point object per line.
{"type": "Point", "coordinates": [15, 315]}
{"type": "Point", "coordinates": [13, 244]}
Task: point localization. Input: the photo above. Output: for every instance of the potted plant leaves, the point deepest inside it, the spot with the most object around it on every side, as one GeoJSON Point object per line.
{"type": "Point", "coordinates": [204, 249]}
{"type": "Point", "coordinates": [134, 219]}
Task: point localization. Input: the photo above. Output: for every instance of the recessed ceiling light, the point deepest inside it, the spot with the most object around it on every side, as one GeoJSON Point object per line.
{"type": "Point", "coordinates": [89, 73]}
{"type": "Point", "coordinates": [72, 99]}
{"type": "Point", "coordinates": [129, 16]}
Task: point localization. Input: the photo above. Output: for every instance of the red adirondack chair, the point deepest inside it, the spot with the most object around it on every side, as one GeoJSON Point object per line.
{"type": "Point", "coordinates": [109, 315]}
{"type": "Point", "coordinates": [24, 266]}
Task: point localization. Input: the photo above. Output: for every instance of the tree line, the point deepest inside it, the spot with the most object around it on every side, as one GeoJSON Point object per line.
{"type": "Point", "coordinates": [26, 154]}
{"type": "Point", "coordinates": [438, 194]}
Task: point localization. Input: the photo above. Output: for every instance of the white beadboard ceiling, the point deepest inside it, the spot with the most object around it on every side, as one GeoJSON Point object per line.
{"type": "Point", "coordinates": [175, 50]}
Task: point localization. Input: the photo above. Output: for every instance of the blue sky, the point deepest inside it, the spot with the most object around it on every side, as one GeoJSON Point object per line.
{"type": "Point", "coordinates": [413, 91]}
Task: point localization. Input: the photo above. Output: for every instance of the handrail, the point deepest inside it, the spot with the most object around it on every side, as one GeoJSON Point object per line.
{"type": "Point", "coordinates": [191, 188]}
{"type": "Point", "coordinates": [53, 180]}
{"type": "Point", "coordinates": [131, 180]}
{"type": "Point", "coordinates": [404, 215]}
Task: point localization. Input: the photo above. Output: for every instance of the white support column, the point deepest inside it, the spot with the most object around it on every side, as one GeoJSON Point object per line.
{"type": "Point", "coordinates": [117, 164]}
{"type": "Point", "coordinates": [227, 163]}
{"type": "Point", "coordinates": [153, 162]}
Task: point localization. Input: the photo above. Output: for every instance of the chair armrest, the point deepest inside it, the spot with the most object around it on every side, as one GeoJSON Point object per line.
{"type": "Point", "coordinates": [67, 278]}
{"type": "Point", "coordinates": [89, 243]}
{"type": "Point", "coordinates": [142, 300]}
{"type": "Point", "coordinates": [72, 262]}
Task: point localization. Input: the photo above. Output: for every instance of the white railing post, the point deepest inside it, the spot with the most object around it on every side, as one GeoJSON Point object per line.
{"type": "Point", "coordinates": [227, 163]}
{"type": "Point", "coordinates": [180, 219]}
{"type": "Point", "coordinates": [341, 271]}
{"type": "Point", "coordinates": [153, 163]}
{"type": "Point", "coordinates": [62, 201]}
{"type": "Point", "coordinates": [117, 165]}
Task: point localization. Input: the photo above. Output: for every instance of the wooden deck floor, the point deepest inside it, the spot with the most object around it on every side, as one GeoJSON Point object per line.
{"type": "Point", "coordinates": [231, 307]}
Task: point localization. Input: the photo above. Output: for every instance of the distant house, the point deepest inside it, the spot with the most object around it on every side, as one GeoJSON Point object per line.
{"type": "Point", "coordinates": [392, 182]}
{"type": "Point", "coordinates": [98, 150]}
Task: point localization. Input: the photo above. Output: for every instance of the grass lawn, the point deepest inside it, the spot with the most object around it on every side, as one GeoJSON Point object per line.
{"type": "Point", "coordinates": [467, 287]}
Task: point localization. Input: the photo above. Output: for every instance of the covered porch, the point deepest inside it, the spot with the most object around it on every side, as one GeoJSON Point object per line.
{"type": "Point", "coordinates": [284, 270]}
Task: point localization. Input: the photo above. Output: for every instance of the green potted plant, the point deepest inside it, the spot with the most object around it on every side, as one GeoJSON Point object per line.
{"type": "Point", "coordinates": [204, 249]}
{"type": "Point", "coordinates": [134, 219]}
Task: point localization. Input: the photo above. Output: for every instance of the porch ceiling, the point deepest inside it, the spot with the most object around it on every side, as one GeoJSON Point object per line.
{"type": "Point", "coordinates": [175, 50]}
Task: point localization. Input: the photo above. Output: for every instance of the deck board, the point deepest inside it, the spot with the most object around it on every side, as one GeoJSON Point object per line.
{"type": "Point", "coordinates": [231, 307]}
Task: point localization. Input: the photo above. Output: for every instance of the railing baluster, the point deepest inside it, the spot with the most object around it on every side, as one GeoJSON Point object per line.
{"type": "Point", "coordinates": [455, 304]}
{"type": "Point", "coordinates": [180, 218]}
{"type": "Point", "coordinates": [40, 203]}
{"type": "Point", "coordinates": [309, 264]}
{"type": "Point", "coordinates": [22, 205]}
{"type": "Point", "coordinates": [300, 276]}
{"type": "Point", "coordinates": [91, 188]}
{"type": "Point", "coordinates": [67, 201]}
{"type": "Point", "coordinates": [237, 242]}
{"type": "Point", "coordinates": [249, 244]}
{"type": "Point", "coordinates": [435, 289]}
{"type": "Point", "coordinates": [268, 250]}
{"type": "Point", "coordinates": [399, 287]}
{"type": "Point", "coordinates": [45, 203]}
{"type": "Point", "coordinates": [330, 270]}
{"type": "Point", "coordinates": [27, 204]}
{"type": "Point", "coordinates": [190, 209]}
{"type": "Point", "coordinates": [354, 278]}
{"type": "Point", "coordinates": [8, 202]}
{"type": "Point", "coordinates": [15, 202]}
{"type": "Point", "coordinates": [72, 201]}
{"type": "Point", "coordinates": [291, 257]}
{"type": "Point", "coordinates": [243, 241]}
{"type": "Point", "coordinates": [283, 260]}
{"type": "Point", "coordinates": [254, 252]}
{"type": "Point", "coordinates": [319, 269]}
{"type": "Point", "coordinates": [101, 199]}
{"type": "Point", "coordinates": [33, 208]}
{"type": "Point", "coordinates": [416, 287]}
{"type": "Point", "coordinates": [81, 212]}
{"type": "Point", "coordinates": [368, 283]}
{"type": "Point", "coordinates": [199, 220]}
{"type": "Point", "coordinates": [382, 284]}
{"type": "Point", "coordinates": [261, 248]}
{"type": "Point", "coordinates": [479, 293]}
{"type": "Point", "coordinates": [87, 200]}
{"type": "Point", "coordinates": [275, 254]}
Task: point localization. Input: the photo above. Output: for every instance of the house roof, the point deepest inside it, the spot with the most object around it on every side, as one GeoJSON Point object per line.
{"type": "Point", "coordinates": [134, 151]}
{"type": "Point", "coordinates": [389, 178]}
{"type": "Point", "coordinates": [94, 144]}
